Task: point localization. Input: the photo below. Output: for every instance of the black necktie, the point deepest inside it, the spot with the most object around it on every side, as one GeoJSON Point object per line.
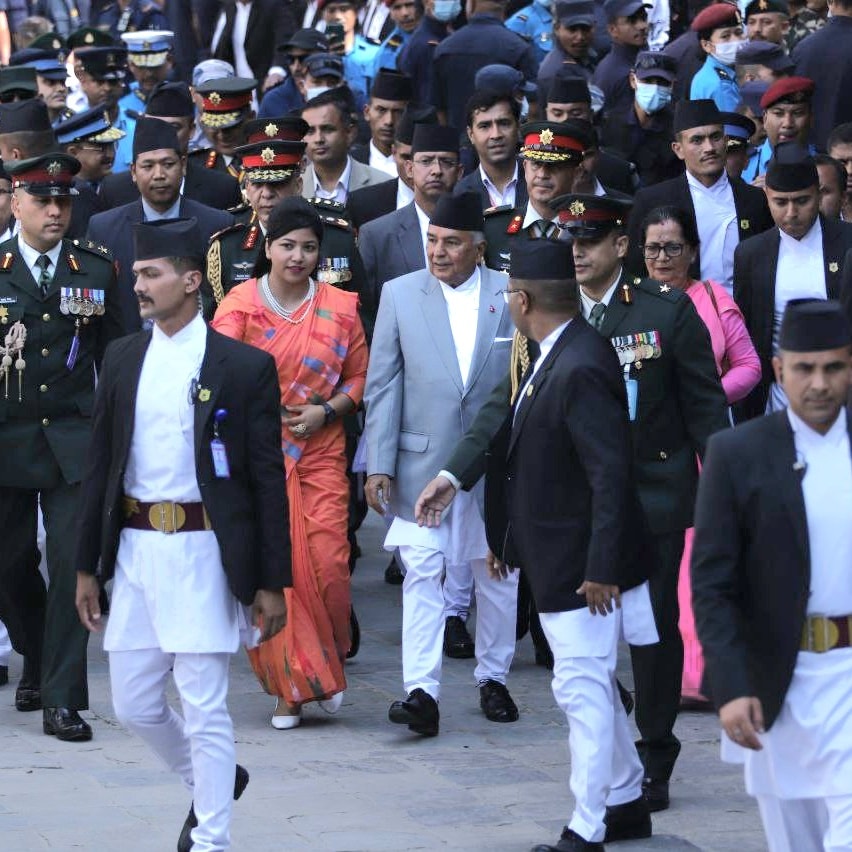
{"type": "Point", "coordinates": [44, 278]}
{"type": "Point", "coordinates": [596, 316]}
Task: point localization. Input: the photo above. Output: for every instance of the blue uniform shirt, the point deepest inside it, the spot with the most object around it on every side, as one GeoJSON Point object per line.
{"type": "Point", "coordinates": [390, 49]}
{"type": "Point", "coordinates": [358, 68]}
{"type": "Point", "coordinates": [415, 57]}
{"type": "Point", "coordinates": [716, 81]}
{"type": "Point", "coordinates": [759, 160]}
{"type": "Point", "coordinates": [535, 24]}
{"type": "Point", "coordinates": [281, 100]}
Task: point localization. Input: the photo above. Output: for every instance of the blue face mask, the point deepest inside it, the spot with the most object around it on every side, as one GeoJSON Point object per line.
{"type": "Point", "coordinates": [447, 10]}
{"type": "Point", "coordinates": [652, 97]}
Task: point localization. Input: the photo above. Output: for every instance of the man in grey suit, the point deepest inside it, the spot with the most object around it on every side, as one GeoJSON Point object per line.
{"type": "Point", "coordinates": [395, 244]}
{"type": "Point", "coordinates": [332, 173]}
{"type": "Point", "coordinates": [442, 342]}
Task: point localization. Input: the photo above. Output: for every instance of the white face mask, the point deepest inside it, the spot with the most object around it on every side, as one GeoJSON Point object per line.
{"type": "Point", "coordinates": [312, 91]}
{"type": "Point", "coordinates": [447, 10]}
{"type": "Point", "coordinates": [727, 51]}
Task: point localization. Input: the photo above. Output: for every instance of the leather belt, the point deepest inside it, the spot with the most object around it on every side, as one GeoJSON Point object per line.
{"type": "Point", "coordinates": [823, 633]}
{"type": "Point", "coordinates": [165, 516]}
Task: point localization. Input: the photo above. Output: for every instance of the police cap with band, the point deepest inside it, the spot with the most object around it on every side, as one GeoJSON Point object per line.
{"type": "Point", "coordinates": [168, 238]}
{"type": "Point", "coordinates": [91, 125]}
{"type": "Point", "coordinates": [148, 48]}
{"type": "Point", "coordinates": [541, 260]}
{"type": "Point", "coordinates": [47, 62]}
{"type": "Point", "coordinates": [48, 175]}
{"type": "Point", "coordinates": [738, 128]}
{"type": "Point", "coordinates": [462, 212]}
{"type": "Point", "coordinates": [272, 161]}
{"type": "Point", "coordinates": [814, 325]}
{"type": "Point", "coordinates": [103, 63]}
{"type": "Point", "coordinates": [554, 142]}
{"type": "Point", "coordinates": [225, 101]}
{"type": "Point", "coordinates": [590, 216]}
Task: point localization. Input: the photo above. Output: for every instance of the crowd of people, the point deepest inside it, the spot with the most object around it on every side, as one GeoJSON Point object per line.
{"type": "Point", "coordinates": [511, 276]}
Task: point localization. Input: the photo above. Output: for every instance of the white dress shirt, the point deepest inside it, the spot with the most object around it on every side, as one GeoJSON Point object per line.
{"type": "Point", "coordinates": [340, 191]}
{"type": "Point", "coordinates": [800, 275]}
{"type": "Point", "coordinates": [152, 215]}
{"type": "Point", "coordinates": [31, 255]}
{"type": "Point", "coordinates": [171, 591]}
{"type": "Point", "coordinates": [587, 302]}
{"type": "Point", "coordinates": [423, 221]}
{"type": "Point", "coordinates": [532, 216]}
{"type": "Point", "coordinates": [498, 197]}
{"type": "Point", "coordinates": [404, 195]}
{"type": "Point", "coordinates": [463, 312]}
{"type": "Point", "coordinates": [716, 216]}
{"type": "Point", "coordinates": [238, 39]}
{"type": "Point", "coordinates": [379, 161]}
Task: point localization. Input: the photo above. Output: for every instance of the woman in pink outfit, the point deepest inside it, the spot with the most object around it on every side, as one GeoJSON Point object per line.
{"type": "Point", "coordinates": [670, 240]}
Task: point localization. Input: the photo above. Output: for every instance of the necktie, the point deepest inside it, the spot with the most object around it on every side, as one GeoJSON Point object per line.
{"type": "Point", "coordinates": [44, 278]}
{"type": "Point", "coordinates": [544, 229]}
{"type": "Point", "coordinates": [596, 316]}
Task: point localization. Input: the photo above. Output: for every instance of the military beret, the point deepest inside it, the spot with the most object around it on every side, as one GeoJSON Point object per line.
{"type": "Point", "coordinates": [789, 89]}
{"type": "Point", "coordinates": [716, 17]}
{"type": "Point", "coordinates": [50, 41]}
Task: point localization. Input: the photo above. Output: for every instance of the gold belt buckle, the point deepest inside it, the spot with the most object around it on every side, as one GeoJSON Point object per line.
{"type": "Point", "coordinates": [167, 517]}
{"type": "Point", "coordinates": [821, 634]}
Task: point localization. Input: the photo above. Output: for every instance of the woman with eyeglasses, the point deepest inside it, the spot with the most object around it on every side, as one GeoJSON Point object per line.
{"type": "Point", "coordinates": [669, 244]}
{"type": "Point", "coordinates": [314, 333]}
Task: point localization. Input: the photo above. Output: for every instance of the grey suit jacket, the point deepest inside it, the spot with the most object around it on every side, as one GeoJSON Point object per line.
{"type": "Point", "coordinates": [360, 176]}
{"type": "Point", "coordinates": [390, 246]}
{"type": "Point", "coordinates": [417, 407]}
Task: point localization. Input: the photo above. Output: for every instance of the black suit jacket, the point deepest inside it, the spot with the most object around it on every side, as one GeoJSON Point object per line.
{"type": "Point", "coordinates": [572, 504]}
{"type": "Point", "coordinates": [114, 228]}
{"type": "Point", "coordinates": [83, 207]}
{"type": "Point", "coordinates": [473, 183]}
{"type": "Point", "coordinates": [755, 268]}
{"type": "Point", "coordinates": [370, 202]}
{"type": "Point", "coordinates": [248, 511]}
{"type": "Point", "coordinates": [206, 186]}
{"type": "Point", "coordinates": [616, 173]}
{"type": "Point", "coordinates": [846, 285]}
{"type": "Point", "coordinates": [751, 563]}
{"type": "Point", "coordinates": [752, 214]}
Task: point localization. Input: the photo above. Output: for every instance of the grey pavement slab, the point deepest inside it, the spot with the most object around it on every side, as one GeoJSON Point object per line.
{"type": "Point", "coordinates": [353, 782]}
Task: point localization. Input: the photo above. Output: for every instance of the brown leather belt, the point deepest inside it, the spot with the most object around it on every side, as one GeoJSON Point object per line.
{"type": "Point", "coordinates": [165, 517]}
{"type": "Point", "coordinates": [823, 633]}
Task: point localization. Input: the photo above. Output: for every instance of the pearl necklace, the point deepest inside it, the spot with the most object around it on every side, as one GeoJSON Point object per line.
{"type": "Point", "coordinates": [278, 308]}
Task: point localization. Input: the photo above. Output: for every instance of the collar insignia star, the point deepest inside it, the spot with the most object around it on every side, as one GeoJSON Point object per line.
{"type": "Point", "coordinates": [833, 266]}
{"type": "Point", "coordinates": [271, 129]}
{"type": "Point", "coordinates": [744, 224]}
{"type": "Point", "coordinates": [577, 208]}
{"type": "Point", "coordinates": [267, 155]}
{"type": "Point", "coordinates": [204, 395]}
{"type": "Point", "coordinates": [664, 288]}
{"type": "Point", "coordinates": [546, 136]}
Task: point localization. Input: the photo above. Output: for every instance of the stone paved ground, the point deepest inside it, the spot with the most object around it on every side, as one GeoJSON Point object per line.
{"type": "Point", "coordinates": [352, 783]}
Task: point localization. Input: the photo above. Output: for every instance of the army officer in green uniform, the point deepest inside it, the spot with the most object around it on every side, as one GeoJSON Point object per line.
{"type": "Point", "coordinates": [57, 312]}
{"type": "Point", "coordinates": [676, 402]}
{"type": "Point", "coordinates": [272, 172]}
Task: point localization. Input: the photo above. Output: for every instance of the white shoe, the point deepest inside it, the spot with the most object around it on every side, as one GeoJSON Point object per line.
{"type": "Point", "coordinates": [332, 705]}
{"type": "Point", "coordinates": [286, 721]}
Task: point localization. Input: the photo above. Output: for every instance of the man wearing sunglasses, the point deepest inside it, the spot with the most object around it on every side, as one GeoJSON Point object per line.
{"type": "Point", "coordinates": [287, 96]}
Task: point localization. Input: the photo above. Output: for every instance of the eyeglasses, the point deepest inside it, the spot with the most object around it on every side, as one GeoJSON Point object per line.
{"type": "Point", "coordinates": [443, 162]}
{"type": "Point", "coordinates": [506, 293]}
{"type": "Point", "coordinates": [99, 147]}
{"type": "Point", "coordinates": [652, 250]}
{"type": "Point", "coordinates": [292, 59]}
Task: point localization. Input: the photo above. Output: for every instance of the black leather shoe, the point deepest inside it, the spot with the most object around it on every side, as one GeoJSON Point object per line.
{"type": "Point", "coordinates": [656, 794]}
{"type": "Point", "coordinates": [28, 693]}
{"type": "Point", "coordinates": [419, 711]}
{"type": "Point", "coordinates": [496, 703]}
{"type": "Point", "coordinates": [393, 573]}
{"type": "Point", "coordinates": [184, 843]}
{"type": "Point", "coordinates": [354, 634]}
{"type": "Point", "coordinates": [65, 724]}
{"type": "Point", "coordinates": [457, 641]}
{"type": "Point", "coordinates": [544, 658]}
{"type": "Point", "coordinates": [4, 675]}
{"type": "Point", "coordinates": [570, 841]}
{"type": "Point", "coordinates": [630, 821]}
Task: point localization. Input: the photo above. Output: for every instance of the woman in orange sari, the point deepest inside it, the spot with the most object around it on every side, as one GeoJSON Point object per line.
{"type": "Point", "coordinates": [314, 333]}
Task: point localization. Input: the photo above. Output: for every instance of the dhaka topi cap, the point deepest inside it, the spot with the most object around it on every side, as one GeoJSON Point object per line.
{"type": "Point", "coordinates": [272, 161]}
{"type": "Point", "coordinates": [151, 134]}
{"type": "Point", "coordinates": [698, 113]}
{"type": "Point", "coordinates": [24, 115]}
{"type": "Point", "coordinates": [541, 260]}
{"type": "Point", "coordinates": [814, 325]}
{"type": "Point", "coordinates": [462, 212]}
{"type": "Point", "coordinates": [412, 115]}
{"type": "Point", "coordinates": [569, 90]}
{"type": "Point", "coordinates": [391, 85]}
{"type": "Point", "coordinates": [48, 175]}
{"type": "Point", "coordinates": [91, 125]}
{"type": "Point", "coordinates": [434, 138]}
{"type": "Point", "coordinates": [554, 142]}
{"type": "Point", "coordinates": [170, 100]}
{"type": "Point", "coordinates": [590, 216]}
{"type": "Point", "coordinates": [791, 169]}
{"type": "Point", "coordinates": [168, 238]}
{"type": "Point", "coordinates": [20, 80]}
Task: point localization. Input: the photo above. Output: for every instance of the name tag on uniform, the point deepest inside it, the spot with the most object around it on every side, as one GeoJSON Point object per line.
{"type": "Point", "coordinates": [8, 300]}
{"type": "Point", "coordinates": [220, 459]}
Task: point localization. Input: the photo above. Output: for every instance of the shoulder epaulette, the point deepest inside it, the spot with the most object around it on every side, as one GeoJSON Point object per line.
{"type": "Point", "coordinates": [210, 153]}
{"type": "Point", "coordinates": [502, 208]}
{"type": "Point", "coordinates": [93, 248]}
{"type": "Point", "coordinates": [7, 261]}
{"type": "Point", "coordinates": [522, 17]}
{"type": "Point", "coordinates": [237, 226]}
{"type": "Point", "coordinates": [337, 222]}
{"type": "Point", "coordinates": [723, 74]}
{"type": "Point", "coordinates": [433, 42]}
{"type": "Point", "coordinates": [394, 42]}
{"type": "Point", "coordinates": [239, 208]}
{"type": "Point", "coordinates": [657, 288]}
{"type": "Point", "coordinates": [326, 203]}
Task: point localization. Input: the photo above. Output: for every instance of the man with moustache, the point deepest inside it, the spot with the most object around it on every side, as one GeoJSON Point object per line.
{"type": "Point", "coordinates": [47, 58]}
{"type": "Point", "coordinates": [573, 33]}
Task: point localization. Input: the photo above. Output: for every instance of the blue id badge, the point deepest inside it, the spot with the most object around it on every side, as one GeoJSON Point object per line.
{"type": "Point", "coordinates": [217, 448]}
{"type": "Point", "coordinates": [632, 388]}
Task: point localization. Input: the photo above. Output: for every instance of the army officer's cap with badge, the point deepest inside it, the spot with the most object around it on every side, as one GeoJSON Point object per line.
{"type": "Point", "coordinates": [103, 63]}
{"type": "Point", "coordinates": [273, 161]}
{"type": "Point", "coordinates": [148, 48]}
{"type": "Point", "coordinates": [47, 54]}
{"type": "Point", "coordinates": [554, 142]}
{"type": "Point", "coordinates": [226, 100]}
{"type": "Point", "coordinates": [48, 175]}
{"type": "Point", "coordinates": [286, 128]}
{"type": "Point", "coordinates": [91, 125]}
{"type": "Point", "coordinates": [89, 37]}
{"type": "Point", "coordinates": [590, 216]}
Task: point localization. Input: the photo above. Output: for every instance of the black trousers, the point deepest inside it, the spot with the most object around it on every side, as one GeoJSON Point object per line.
{"type": "Point", "coordinates": [658, 669]}
{"type": "Point", "coordinates": [43, 624]}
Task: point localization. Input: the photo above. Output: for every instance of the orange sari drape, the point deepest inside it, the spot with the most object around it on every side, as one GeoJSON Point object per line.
{"type": "Point", "coordinates": [316, 359]}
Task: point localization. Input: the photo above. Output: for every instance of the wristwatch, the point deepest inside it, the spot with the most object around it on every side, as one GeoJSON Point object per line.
{"type": "Point", "coordinates": [330, 413]}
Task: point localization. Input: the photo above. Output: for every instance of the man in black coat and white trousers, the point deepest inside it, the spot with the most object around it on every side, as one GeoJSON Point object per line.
{"type": "Point", "coordinates": [801, 257]}
{"type": "Point", "coordinates": [184, 504]}
{"type": "Point", "coordinates": [772, 588]}
{"type": "Point", "coordinates": [563, 506]}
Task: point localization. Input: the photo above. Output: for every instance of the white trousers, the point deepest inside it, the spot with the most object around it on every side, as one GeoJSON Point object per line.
{"type": "Point", "coordinates": [458, 590]}
{"type": "Point", "coordinates": [423, 620]}
{"type": "Point", "coordinates": [605, 767]}
{"type": "Point", "coordinates": [5, 645]}
{"type": "Point", "coordinates": [198, 747]}
{"type": "Point", "coordinates": [807, 825]}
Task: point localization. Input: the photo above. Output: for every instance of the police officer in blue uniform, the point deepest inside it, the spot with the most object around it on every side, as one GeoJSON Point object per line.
{"type": "Point", "coordinates": [535, 24]}
{"type": "Point", "coordinates": [406, 16]}
{"type": "Point", "coordinates": [573, 51]}
{"type": "Point", "coordinates": [720, 33]}
{"type": "Point", "coordinates": [628, 26]}
{"type": "Point", "coordinates": [415, 57]}
{"type": "Point", "coordinates": [149, 59]}
{"type": "Point", "coordinates": [359, 55]}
